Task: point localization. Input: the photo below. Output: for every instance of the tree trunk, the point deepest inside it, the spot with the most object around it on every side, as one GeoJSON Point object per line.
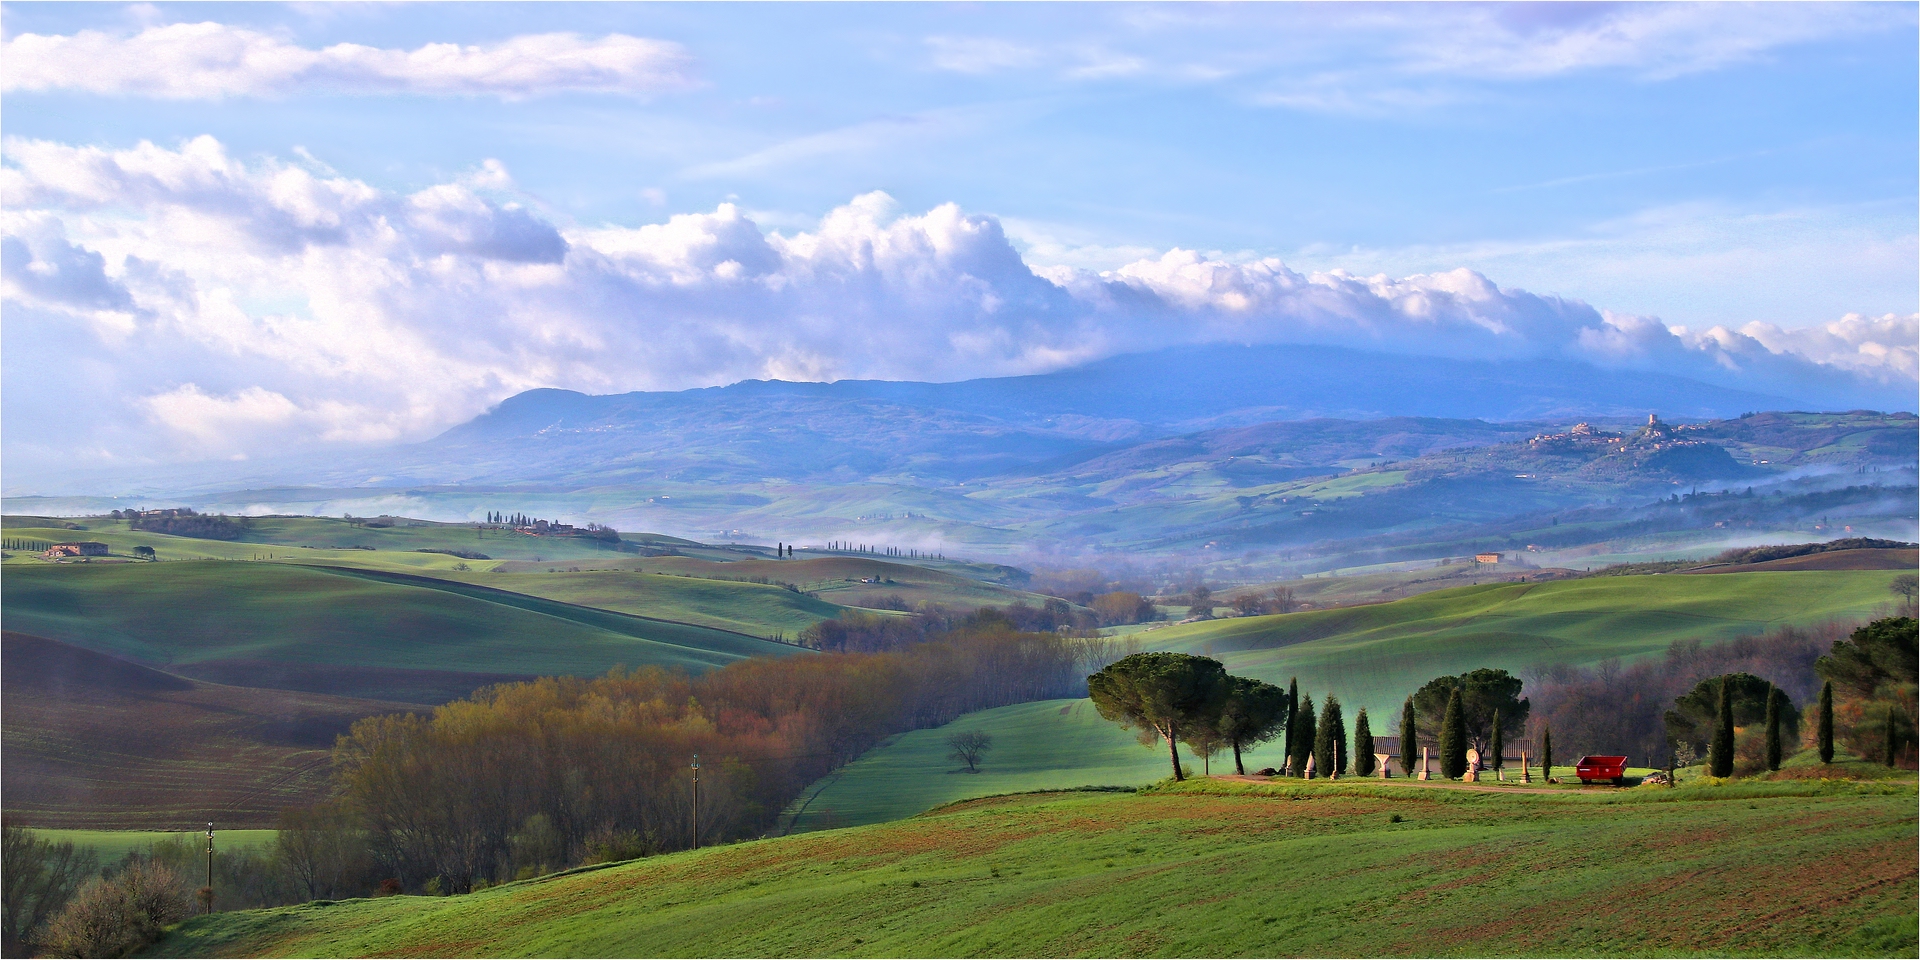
{"type": "Point", "coordinates": [1242, 771]}
{"type": "Point", "coordinates": [1173, 750]}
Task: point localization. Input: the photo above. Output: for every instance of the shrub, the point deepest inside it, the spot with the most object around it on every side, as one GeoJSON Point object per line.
{"type": "Point", "coordinates": [1123, 607]}
{"type": "Point", "coordinates": [40, 877]}
{"type": "Point", "coordinates": [113, 917]}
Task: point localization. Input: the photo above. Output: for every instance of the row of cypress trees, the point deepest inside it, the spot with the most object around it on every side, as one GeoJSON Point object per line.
{"type": "Point", "coordinates": [1454, 739]}
{"type": "Point", "coordinates": [1323, 738]}
{"type": "Point", "coordinates": [1720, 749]}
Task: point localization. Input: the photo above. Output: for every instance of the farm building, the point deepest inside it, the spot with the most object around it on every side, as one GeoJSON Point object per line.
{"type": "Point", "coordinates": [1486, 558]}
{"type": "Point", "coordinates": [84, 548]}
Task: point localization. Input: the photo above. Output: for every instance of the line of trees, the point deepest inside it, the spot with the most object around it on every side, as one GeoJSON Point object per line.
{"type": "Point", "coordinates": [1668, 708]}
{"type": "Point", "coordinates": [530, 777]}
{"type": "Point", "coordinates": [186, 523]}
{"type": "Point", "coordinates": [1181, 698]}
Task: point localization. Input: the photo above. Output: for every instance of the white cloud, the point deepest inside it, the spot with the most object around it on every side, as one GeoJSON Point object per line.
{"type": "Point", "coordinates": [211, 60]}
{"type": "Point", "coordinates": [242, 307]}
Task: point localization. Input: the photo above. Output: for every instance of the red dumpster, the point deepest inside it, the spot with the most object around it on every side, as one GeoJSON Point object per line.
{"type": "Point", "coordinates": [1597, 769]}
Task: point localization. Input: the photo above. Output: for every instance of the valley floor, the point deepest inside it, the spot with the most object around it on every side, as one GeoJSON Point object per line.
{"type": "Point", "coordinates": [1208, 868]}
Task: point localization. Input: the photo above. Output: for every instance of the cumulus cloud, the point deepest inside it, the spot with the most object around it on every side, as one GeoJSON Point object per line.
{"type": "Point", "coordinates": [212, 60]}
{"type": "Point", "coordinates": [248, 305]}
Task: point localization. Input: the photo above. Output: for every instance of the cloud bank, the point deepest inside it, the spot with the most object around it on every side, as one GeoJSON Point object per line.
{"type": "Point", "coordinates": [211, 60]}
{"type": "Point", "coordinates": [210, 306]}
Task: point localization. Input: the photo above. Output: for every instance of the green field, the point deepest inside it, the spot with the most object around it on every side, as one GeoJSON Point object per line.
{"type": "Point", "coordinates": [705, 586]}
{"type": "Point", "coordinates": [302, 537]}
{"type": "Point", "coordinates": [1049, 745]}
{"type": "Point", "coordinates": [840, 580]}
{"type": "Point", "coordinates": [1206, 870]}
{"type": "Point", "coordinates": [754, 608]}
{"type": "Point", "coordinates": [111, 845]}
{"type": "Point", "coordinates": [1374, 656]}
{"type": "Point", "coordinates": [1371, 656]}
{"type": "Point", "coordinates": [196, 617]}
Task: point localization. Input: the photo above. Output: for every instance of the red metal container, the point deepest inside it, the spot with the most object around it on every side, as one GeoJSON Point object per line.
{"type": "Point", "coordinates": [1598, 769]}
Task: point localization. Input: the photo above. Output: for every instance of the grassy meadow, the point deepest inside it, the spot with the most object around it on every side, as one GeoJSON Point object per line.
{"type": "Point", "coordinates": [1049, 745]}
{"type": "Point", "coordinates": [839, 579]}
{"type": "Point", "coordinates": [753, 608]}
{"type": "Point", "coordinates": [238, 622]}
{"type": "Point", "coordinates": [322, 537]}
{"type": "Point", "coordinates": [1206, 869]}
{"type": "Point", "coordinates": [1374, 656]}
{"type": "Point", "coordinates": [111, 845]}
{"type": "Point", "coordinates": [1370, 656]}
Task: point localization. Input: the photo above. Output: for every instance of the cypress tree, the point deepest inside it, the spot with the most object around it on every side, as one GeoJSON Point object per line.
{"type": "Point", "coordinates": [1773, 728]}
{"type": "Point", "coordinates": [1363, 760]}
{"type": "Point", "coordinates": [1330, 740]}
{"type": "Point", "coordinates": [1720, 751]}
{"type": "Point", "coordinates": [1453, 739]}
{"type": "Point", "coordinates": [1546, 751]}
{"type": "Point", "coordinates": [1293, 706]}
{"type": "Point", "coordinates": [1499, 744]}
{"type": "Point", "coordinates": [1303, 739]}
{"type": "Point", "coordinates": [1409, 740]}
{"type": "Point", "coordinates": [1342, 756]}
{"type": "Point", "coordinates": [1826, 722]}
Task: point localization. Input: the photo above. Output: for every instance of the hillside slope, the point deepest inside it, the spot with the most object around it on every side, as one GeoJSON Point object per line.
{"type": "Point", "coordinates": [1336, 871]}
{"type": "Point", "coordinates": [1370, 656]}
{"type": "Point", "coordinates": [1374, 656]}
{"type": "Point", "coordinates": [94, 741]}
{"type": "Point", "coordinates": [352, 632]}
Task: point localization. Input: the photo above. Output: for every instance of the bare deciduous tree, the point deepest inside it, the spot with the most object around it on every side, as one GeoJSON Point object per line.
{"type": "Point", "coordinates": [968, 747]}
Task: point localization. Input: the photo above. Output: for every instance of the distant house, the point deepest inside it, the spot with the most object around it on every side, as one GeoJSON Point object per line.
{"type": "Point", "coordinates": [1486, 558]}
{"type": "Point", "coordinates": [84, 548]}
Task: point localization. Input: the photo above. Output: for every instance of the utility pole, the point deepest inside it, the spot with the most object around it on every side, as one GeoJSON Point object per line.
{"type": "Point", "coordinates": [696, 801]}
{"type": "Point", "coordinates": [209, 866]}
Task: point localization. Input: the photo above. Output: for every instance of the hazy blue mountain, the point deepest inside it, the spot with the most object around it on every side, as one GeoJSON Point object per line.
{"type": "Point", "coordinates": [855, 429]}
{"type": "Point", "coordinates": [944, 433]}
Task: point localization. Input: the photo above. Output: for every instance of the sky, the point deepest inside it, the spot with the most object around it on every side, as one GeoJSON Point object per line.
{"type": "Point", "coordinates": [234, 230]}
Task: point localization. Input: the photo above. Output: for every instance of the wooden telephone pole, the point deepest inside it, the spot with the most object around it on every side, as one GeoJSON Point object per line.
{"type": "Point", "coordinates": [209, 867]}
{"type": "Point", "coordinates": [696, 801]}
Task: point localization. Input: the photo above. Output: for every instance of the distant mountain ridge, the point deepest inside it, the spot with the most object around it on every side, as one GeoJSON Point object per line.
{"type": "Point", "coordinates": [857, 429]}
{"type": "Point", "coordinates": [936, 434]}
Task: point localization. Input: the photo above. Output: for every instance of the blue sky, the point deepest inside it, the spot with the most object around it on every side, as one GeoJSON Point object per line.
{"type": "Point", "coordinates": [1670, 166]}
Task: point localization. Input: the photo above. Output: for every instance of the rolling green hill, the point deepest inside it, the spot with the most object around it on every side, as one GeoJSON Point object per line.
{"type": "Point", "coordinates": [340, 631]}
{"type": "Point", "coordinates": [1370, 656]}
{"type": "Point", "coordinates": [1049, 745]}
{"type": "Point", "coordinates": [755, 608]}
{"type": "Point", "coordinates": [844, 581]}
{"type": "Point", "coordinates": [1374, 656]}
{"type": "Point", "coordinates": [1205, 870]}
